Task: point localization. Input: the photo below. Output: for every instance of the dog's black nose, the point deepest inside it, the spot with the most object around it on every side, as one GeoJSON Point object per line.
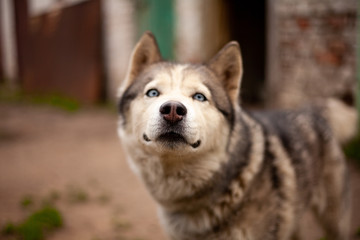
{"type": "Point", "coordinates": [173, 111]}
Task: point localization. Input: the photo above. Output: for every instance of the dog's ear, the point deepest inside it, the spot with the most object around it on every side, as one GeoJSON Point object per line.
{"type": "Point", "coordinates": [227, 65]}
{"type": "Point", "coordinates": [145, 53]}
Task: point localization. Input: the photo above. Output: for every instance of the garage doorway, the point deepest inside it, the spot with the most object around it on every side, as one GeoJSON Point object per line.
{"type": "Point", "coordinates": [247, 20]}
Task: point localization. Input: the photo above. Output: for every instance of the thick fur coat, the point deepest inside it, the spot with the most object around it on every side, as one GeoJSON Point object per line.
{"type": "Point", "coordinates": [220, 172]}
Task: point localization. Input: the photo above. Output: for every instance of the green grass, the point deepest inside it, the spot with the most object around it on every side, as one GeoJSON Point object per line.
{"type": "Point", "coordinates": [51, 198]}
{"type": "Point", "coordinates": [77, 195]}
{"type": "Point", "coordinates": [55, 100]}
{"type": "Point", "coordinates": [27, 201]}
{"type": "Point", "coordinates": [36, 226]}
{"type": "Point", "coordinates": [42, 218]}
{"type": "Point", "coordinates": [352, 149]}
{"type": "Point", "coordinates": [357, 233]}
{"type": "Point", "coordinates": [8, 229]}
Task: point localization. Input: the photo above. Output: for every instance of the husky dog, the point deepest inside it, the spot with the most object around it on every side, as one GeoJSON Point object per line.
{"type": "Point", "coordinates": [219, 172]}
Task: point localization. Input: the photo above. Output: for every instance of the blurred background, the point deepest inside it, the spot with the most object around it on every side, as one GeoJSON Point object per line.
{"type": "Point", "coordinates": [61, 62]}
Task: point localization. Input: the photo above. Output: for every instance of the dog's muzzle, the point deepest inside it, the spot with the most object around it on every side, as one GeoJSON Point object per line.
{"type": "Point", "coordinates": [172, 133]}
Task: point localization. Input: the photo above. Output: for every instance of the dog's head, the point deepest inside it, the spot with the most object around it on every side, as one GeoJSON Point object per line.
{"type": "Point", "coordinates": [178, 108]}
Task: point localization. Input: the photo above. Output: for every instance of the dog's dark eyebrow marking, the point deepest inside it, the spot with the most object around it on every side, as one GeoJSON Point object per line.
{"type": "Point", "coordinates": [223, 104]}
{"type": "Point", "coordinates": [125, 100]}
{"type": "Point", "coordinates": [131, 92]}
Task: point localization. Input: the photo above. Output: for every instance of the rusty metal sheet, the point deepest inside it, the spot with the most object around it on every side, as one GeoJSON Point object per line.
{"type": "Point", "coordinates": [60, 51]}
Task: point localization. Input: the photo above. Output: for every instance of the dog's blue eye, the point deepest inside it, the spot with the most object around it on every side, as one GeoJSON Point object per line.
{"type": "Point", "coordinates": [199, 97]}
{"type": "Point", "coordinates": [152, 93]}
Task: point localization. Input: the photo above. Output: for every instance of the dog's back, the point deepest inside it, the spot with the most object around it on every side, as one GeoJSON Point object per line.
{"type": "Point", "coordinates": [311, 142]}
{"type": "Point", "coordinates": [281, 164]}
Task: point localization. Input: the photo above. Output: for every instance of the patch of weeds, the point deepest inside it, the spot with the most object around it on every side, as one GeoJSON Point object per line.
{"type": "Point", "coordinates": [77, 195]}
{"type": "Point", "coordinates": [120, 225]}
{"type": "Point", "coordinates": [51, 198]}
{"type": "Point", "coordinates": [357, 233]}
{"type": "Point", "coordinates": [104, 198]}
{"type": "Point", "coordinates": [55, 100]}
{"type": "Point", "coordinates": [9, 94]}
{"type": "Point", "coordinates": [352, 149]}
{"type": "Point", "coordinates": [27, 201]}
{"type": "Point", "coordinates": [8, 229]}
{"type": "Point", "coordinates": [54, 195]}
{"type": "Point", "coordinates": [58, 101]}
{"type": "Point", "coordinates": [35, 227]}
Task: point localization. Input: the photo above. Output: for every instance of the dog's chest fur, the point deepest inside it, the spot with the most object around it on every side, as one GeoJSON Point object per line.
{"type": "Point", "coordinates": [254, 189]}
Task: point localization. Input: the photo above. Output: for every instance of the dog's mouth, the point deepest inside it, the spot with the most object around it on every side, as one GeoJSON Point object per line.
{"type": "Point", "coordinates": [172, 139]}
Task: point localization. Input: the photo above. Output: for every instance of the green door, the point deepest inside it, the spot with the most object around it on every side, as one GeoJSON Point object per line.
{"type": "Point", "coordinates": [158, 17]}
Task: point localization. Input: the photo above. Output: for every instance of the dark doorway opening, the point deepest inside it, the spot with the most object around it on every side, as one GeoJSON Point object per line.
{"type": "Point", "coordinates": [248, 27]}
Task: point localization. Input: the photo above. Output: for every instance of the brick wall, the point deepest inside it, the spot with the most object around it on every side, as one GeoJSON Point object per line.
{"type": "Point", "coordinates": [315, 55]}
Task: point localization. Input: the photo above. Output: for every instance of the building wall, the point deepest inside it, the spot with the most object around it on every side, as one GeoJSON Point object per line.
{"type": "Point", "coordinates": [119, 40]}
{"type": "Point", "coordinates": [201, 29]}
{"type": "Point", "coordinates": [312, 50]}
{"type": "Point", "coordinates": [38, 7]}
{"type": "Point", "coordinates": [8, 44]}
{"type": "Point", "coordinates": [188, 32]}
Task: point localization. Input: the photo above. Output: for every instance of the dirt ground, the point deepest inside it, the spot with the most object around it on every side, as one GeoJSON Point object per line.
{"type": "Point", "coordinates": [78, 156]}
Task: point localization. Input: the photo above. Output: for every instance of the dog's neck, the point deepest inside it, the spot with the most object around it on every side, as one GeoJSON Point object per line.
{"type": "Point", "coordinates": [172, 179]}
{"type": "Point", "coordinates": [193, 189]}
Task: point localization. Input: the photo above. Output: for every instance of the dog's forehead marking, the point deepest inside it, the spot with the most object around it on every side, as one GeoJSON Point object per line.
{"type": "Point", "coordinates": [179, 77]}
{"type": "Point", "coordinates": [174, 76]}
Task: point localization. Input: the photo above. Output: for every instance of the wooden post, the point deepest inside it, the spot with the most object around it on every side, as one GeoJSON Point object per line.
{"type": "Point", "coordinates": [21, 28]}
{"type": "Point", "coordinates": [358, 62]}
